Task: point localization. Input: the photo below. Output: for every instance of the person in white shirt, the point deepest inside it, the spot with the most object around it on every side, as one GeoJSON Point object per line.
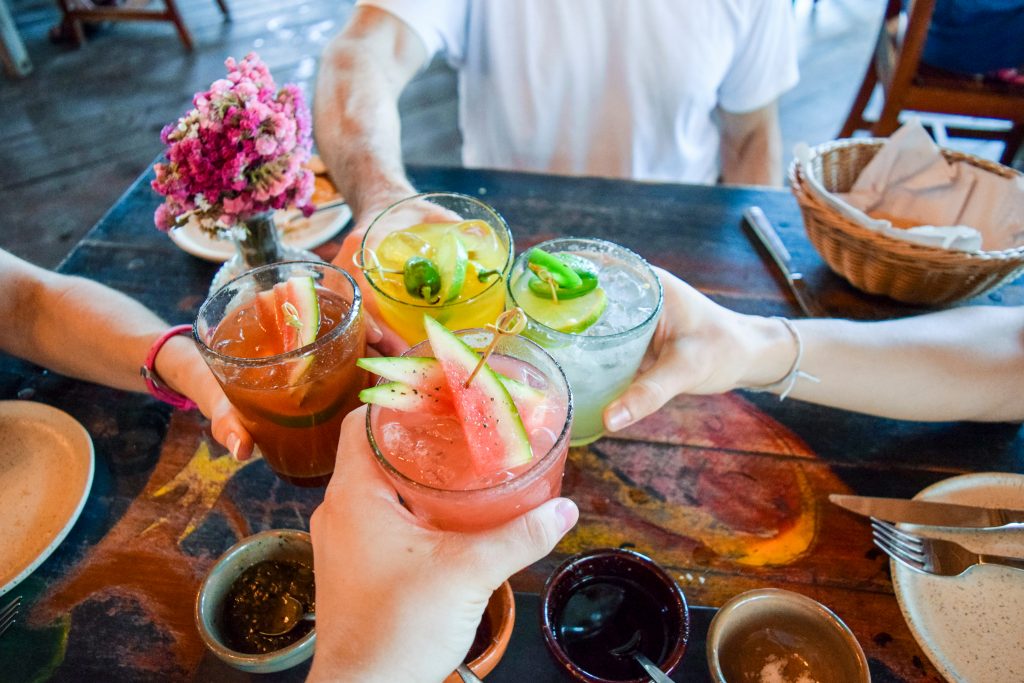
{"type": "Point", "coordinates": [660, 90]}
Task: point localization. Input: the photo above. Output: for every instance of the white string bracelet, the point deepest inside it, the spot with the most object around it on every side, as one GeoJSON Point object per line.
{"type": "Point", "coordinates": [787, 383]}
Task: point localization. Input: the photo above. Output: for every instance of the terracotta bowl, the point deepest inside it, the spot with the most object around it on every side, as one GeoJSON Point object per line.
{"type": "Point", "coordinates": [501, 615]}
{"type": "Point", "coordinates": [281, 544]}
{"type": "Point", "coordinates": [615, 563]}
{"type": "Point", "coordinates": [745, 635]}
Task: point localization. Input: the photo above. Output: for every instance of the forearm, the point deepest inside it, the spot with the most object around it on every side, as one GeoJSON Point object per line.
{"type": "Point", "coordinates": [962, 364]}
{"type": "Point", "coordinates": [356, 119]}
{"type": "Point", "coordinates": [751, 148]}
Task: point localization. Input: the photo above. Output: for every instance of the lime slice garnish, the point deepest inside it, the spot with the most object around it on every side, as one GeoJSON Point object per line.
{"type": "Point", "coordinates": [398, 247]}
{"type": "Point", "coordinates": [572, 316]}
{"type": "Point", "coordinates": [452, 261]}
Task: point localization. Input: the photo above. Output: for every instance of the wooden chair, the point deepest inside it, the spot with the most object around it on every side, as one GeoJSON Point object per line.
{"type": "Point", "coordinates": [77, 11]}
{"type": "Point", "coordinates": [909, 85]}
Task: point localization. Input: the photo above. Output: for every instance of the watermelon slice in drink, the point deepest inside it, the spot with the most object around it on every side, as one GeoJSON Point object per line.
{"type": "Point", "coordinates": [495, 435]}
{"type": "Point", "coordinates": [292, 310]}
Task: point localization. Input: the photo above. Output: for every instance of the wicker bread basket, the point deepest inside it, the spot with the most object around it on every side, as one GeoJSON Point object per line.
{"type": "Point", "coordinates": [879, 264]}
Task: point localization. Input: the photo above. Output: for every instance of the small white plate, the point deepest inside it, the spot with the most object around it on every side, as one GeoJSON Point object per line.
{"type": "Point", "coordinates": [46, 470]}
{"type": "Point", "coordinates": [970, 625]}
{"type": "Point", "coordinates": [296, 231]}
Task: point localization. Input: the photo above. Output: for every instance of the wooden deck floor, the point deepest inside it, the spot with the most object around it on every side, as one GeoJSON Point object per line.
{"type": "Point", "coordinates": [86, 122]}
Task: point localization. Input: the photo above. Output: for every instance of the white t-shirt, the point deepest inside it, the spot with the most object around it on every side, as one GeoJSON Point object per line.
{"type": "Point", "coordinates": [617, 88]}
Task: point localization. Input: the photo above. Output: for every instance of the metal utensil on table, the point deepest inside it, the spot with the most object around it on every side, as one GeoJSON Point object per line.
{"type": "Point", "coordinates": [9, 614]}
{"type": "Point", "coordinates": [631, 648]}
{"type": "Point", "coordinates": [932, 555]}
{"type": "Point", "coordinates": [766, 235]}
{"type": "Point", "coordinates": [467, 675]}
{"type": "Point", "coordinates": [298, 215]}
{"type": "Point", "coordinates": [287, 618]}
{"type": "Point", "coordinates": [931, 513]}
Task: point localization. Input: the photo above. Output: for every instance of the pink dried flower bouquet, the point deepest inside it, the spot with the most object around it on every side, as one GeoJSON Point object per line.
{"type": "Point", "coordinates": [240, 152]}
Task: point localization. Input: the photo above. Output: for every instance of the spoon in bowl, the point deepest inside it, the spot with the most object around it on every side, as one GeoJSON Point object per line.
{"type": "Point", "coordinates": [286, 618]}
{"type": "Point", "coordinates": [631, 648]}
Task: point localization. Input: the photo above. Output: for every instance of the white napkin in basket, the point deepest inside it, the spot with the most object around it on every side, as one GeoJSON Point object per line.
{"type": "Point", "coordinates": [958, 206]}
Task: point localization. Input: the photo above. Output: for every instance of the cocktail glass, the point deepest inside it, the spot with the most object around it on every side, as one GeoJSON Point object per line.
{"type": "Point", "coordinates": [426, 457]}
{"type": "Point", "coordinates": [601, 361]}
{"type": "Point", "coordinates": [416, 227]}
{"type": "Point", "coordinates": [292, 403]}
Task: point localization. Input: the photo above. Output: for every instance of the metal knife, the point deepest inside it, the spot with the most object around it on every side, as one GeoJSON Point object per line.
{"type": "Point", "coordinates": [765, 233]}
{"type": "Point", "coordinates": [931, 513]}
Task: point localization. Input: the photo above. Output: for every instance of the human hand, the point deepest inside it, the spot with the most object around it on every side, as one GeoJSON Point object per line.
{"type": "Point", "coordinates": [700, 347]}
{"type": "Point", "coordinates": [398, 600]}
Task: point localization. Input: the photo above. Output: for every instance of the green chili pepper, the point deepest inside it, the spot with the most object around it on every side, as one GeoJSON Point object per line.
{"type": "Point", "coordinates": [585, 270]}
{"type": "Point", "coordinates": [540, 262]}
{"type": "Point", "coordinates": [421, 277]}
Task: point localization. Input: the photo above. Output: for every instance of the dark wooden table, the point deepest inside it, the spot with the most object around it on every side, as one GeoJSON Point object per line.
{"type": "Point", "coordinates": [728, 492]}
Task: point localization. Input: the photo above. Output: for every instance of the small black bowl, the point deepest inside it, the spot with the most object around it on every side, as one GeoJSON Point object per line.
{"type": "Point", "coordinates": [652, 595]}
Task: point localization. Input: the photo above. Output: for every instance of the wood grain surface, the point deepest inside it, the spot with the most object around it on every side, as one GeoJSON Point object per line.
{"type": "Point", "coordinates": [728, 492]}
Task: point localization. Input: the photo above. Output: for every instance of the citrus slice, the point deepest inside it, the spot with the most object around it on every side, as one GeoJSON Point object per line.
{"type": "Point", "coordinates": [571, 316]}
{"type": "Point", "coordinates": [452, 261]}
{"type": "Point", "coordinates": [494, 431]}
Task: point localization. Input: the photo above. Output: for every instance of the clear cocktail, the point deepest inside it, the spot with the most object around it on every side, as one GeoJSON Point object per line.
{"type": "Point", "coordinates": [458, 462]}
{"type": "Point", "coordinates": [597, 326]}
{"type": "Point", "coordinates": [441, 254]}
{"type": "Point", "coordinates": [283, 341]}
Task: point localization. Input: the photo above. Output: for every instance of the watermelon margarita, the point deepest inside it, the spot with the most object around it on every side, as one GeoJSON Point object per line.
{"type": "Point", "coordinates": [441, 254]}
{"type": "Point", "coordinates": [598, 328]}
{"type": "Point", "coordinates": [471, 458]}
{"type": "Point", "coordinates": [283, 341]}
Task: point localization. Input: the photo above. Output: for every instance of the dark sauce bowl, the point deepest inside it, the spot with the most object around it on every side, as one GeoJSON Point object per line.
{"type": "Point", "coordinates": [651, 602]}
{"type": "Point", "coordinates": [279, 544]}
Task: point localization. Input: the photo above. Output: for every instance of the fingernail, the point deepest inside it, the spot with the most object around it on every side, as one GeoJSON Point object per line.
{"type": "Point", "coordinates": [618, 417]}
{"type": "Point", "coordinates": [568, 514]}
{"type": "Point", "coordinates": [233, 443]}
{"type": "Point", "coordinates": [375, 332]}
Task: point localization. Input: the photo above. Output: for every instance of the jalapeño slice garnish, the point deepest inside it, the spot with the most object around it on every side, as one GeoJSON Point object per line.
{"type": "Point", "coordinates": [547, 287]}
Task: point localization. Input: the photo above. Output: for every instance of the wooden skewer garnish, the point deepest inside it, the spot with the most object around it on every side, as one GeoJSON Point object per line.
{"type": "Point", "coordinates": [509, 323]}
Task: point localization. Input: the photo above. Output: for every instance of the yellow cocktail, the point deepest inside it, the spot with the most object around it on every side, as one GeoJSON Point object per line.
{"type": "Point", "coordinates": [443, 254]}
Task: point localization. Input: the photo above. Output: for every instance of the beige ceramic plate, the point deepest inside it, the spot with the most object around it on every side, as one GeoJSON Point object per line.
{"type": "Point", "coordinates": [970, 625]}
{"type": "Point", "coordinates": [296, 231]}
{"type": "Point", "coordinates": [46, 469]}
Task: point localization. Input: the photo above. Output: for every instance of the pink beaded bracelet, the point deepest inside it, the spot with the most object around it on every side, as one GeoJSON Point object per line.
{"type": "Point", "coordinates": [156, 385]}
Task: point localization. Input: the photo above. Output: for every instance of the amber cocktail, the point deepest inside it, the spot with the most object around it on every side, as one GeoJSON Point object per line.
{"type": "Point", "coordinates": [283, 341]}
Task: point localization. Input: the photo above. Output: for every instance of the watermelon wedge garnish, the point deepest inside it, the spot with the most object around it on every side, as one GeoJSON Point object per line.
{"type": "Point", "coordinates": [399, 396]}
{"type": "Point", "coordinates": [290, 312]}
{"type": "Point", "coordinates": [494, 431]}
{"type": "Point", "coordinates": [427, 376]}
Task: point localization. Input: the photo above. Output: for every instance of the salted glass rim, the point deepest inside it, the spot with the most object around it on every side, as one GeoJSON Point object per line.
{"type": "Point", "coordinates": [342, 327]}
{"type": "Point", "coordinates": [570, 336]}
{"type": "Point", "coordinates": [526, 477]}
{"type": "Point", "coordinates": [505, 269]}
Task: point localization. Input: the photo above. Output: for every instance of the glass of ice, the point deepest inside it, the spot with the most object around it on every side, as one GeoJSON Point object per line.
{"type": "Point", "coordinates": [602, 359]}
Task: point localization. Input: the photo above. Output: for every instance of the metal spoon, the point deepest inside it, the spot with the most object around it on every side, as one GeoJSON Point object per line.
{"type": "Point", "coordinates": [467, 675]}
{"type": "Point", "coordinates": [285, 619]}
{"type": "Point", "coordinates": [631, 648]}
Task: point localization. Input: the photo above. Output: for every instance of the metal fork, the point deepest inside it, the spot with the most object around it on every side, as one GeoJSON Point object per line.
{"type": "Point", "coordinates": [932, 555]}
{"type": "Point", "coordinates": [9, 613]}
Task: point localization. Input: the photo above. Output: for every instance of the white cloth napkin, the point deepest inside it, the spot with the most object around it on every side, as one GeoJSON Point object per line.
{"type": "Point", "coordinates": [955, 206]}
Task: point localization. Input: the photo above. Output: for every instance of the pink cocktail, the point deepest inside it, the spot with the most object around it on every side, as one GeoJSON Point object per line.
{"type": "Point", "coordinates": [429, 458]}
